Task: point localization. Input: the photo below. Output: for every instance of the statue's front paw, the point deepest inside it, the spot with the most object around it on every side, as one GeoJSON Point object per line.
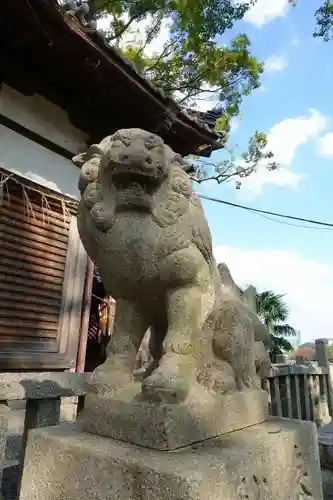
{"type": "Point", "coordinates": [110, 377]}
{"type": "Point", "coordinates": [170, 382]}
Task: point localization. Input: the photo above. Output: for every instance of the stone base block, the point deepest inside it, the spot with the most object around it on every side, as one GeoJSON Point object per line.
{"type": "Point", "coordinates": [275, 460]}
{"type": "Point", "coordinates": [4, 419]}
{"type": "Point", "coordinates": [203, 415]}
{"type": "Point", "coordinates": [325, 439]}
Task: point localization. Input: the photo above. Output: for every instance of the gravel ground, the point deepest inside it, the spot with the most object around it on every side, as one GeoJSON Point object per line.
{"type": "Point", "coordinates": [327, 476]}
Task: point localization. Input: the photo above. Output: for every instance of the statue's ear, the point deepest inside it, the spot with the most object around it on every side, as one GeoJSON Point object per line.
{"type": "Point", "coordinates": [178, 160]}
{"type": "Point", "coordinates": [80, 159]}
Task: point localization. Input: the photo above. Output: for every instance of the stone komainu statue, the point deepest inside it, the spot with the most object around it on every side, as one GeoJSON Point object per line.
{"type": "Point", "coordinates": [146, 231]}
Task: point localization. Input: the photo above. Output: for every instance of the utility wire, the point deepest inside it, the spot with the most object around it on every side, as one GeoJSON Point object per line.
{"type": "Point", "coordinates": [285, 223]}
{"type": "Point", "coordinates": [266, 212]}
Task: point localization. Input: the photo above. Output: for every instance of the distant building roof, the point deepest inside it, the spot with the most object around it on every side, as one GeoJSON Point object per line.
{"type": "Point", "coordinates": [306, 350]}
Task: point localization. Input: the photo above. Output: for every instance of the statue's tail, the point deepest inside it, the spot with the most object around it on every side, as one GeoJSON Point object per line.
{"type": "Point", "coordinates": [261, 332]}
{"type": "Point", "coordinates": [227, 279]}
{"type": "Point", "coordinates": [248, 296]}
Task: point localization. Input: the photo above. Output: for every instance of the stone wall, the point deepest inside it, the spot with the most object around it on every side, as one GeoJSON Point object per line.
{"type": "Point", "coordinates": [31, 400]}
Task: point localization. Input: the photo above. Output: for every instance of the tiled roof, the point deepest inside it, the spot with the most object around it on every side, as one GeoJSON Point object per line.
{"type": "Point", "coordinates": [205, 120]}
{"type": "Point", "coordinates": [57, 54]}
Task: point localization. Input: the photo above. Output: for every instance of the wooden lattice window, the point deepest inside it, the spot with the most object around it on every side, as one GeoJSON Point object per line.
{"type": "Point", "coordinates": [42, 274]}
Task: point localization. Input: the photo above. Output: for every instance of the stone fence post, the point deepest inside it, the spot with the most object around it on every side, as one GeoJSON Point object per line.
{"type": "Point", "coordinates": [322, 358]}
{"type": "Point", "coordinates": [322, 352]}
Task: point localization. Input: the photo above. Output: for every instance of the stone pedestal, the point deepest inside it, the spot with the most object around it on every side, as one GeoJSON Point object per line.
{"type": "Point", "coordinates": [124, 415]}
{"type": "Point", "coordinates": [275, 460]}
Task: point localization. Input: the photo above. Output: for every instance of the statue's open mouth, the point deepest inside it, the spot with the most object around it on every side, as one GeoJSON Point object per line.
{"type": "Point", "coordinates": [134, 190]}
{"type": "Point", "coordinates": [140, 182]}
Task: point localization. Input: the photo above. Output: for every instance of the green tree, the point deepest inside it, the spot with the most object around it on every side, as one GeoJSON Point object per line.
{"type": "Point", "coordinates": [274, 312]}
{"type": "Point", "coordinates": [324, 20]}
{"type": "Point", "coordinates": [192, 66]}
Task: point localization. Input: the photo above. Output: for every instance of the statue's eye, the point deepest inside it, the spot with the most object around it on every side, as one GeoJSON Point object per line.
{"type": "Point", "coordinates": [152, 142]}
{"type": "Point", "coordinates": [125, 140]}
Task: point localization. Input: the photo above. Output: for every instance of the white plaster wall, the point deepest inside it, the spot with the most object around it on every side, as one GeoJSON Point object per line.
{"type": "Point", "coordinates": [42, 117]}
{"type": "Point", "coordinates": [34, 162]}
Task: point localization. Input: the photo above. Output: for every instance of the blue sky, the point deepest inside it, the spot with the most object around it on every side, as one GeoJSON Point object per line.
{"type": "Point", "coordinates": [294, 107]}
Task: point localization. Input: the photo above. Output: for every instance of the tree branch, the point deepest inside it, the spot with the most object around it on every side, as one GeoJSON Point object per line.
{"type": "Point", "coordinates": [189, 84]}
{"type": "Point", "coordinates": [226, 175]}
{"type": "Point", "coordinates": [196, 91]}
{"type": "Point", "coordinates": [199, 76]}
{"type": "Point", "coordinates": [147, 41]}
{"type": "Point", "coordinates": [163, 54]}
{"type": "Point", "coordinates": [125, 27]}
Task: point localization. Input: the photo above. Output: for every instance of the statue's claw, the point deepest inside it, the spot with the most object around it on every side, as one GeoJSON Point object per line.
{"type": "Point", "coordinates": [171, 381]}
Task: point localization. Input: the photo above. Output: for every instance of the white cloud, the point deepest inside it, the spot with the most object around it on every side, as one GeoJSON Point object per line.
{"type": "Point", "coordinates": [283, 139]}
{"type": "Point", "coordinates": [264, 11]}
{"type": "Point", "coordinates": [325, 145]}
{"type": "Point", "coordinates": [275, 63]}
{"type": "Point", "coordinates": [308, 284]}
{"type": "Point", "coordinates": [286, 136]}
{"type": "Point", "coordinates": [254, 184]}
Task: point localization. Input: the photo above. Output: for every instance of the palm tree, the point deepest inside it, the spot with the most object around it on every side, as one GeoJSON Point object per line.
{"type": "Point", "coordinates": [273, 311]}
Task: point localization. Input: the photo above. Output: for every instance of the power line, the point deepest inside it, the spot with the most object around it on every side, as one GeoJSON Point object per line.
{"type": "Point", "coordinates": [266, 212]}
{"type": "Point", "coordinates": [285, 223]}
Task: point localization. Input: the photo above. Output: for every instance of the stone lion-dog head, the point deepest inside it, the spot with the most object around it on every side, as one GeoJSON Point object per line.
{"type": "Point", "coordinates": [133, 170]}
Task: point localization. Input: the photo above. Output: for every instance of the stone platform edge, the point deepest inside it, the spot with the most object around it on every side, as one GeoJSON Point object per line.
{"type": "Point", "coordinates": [166, 427]}
{"type": "Point", "coordinates": [277, 459]}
